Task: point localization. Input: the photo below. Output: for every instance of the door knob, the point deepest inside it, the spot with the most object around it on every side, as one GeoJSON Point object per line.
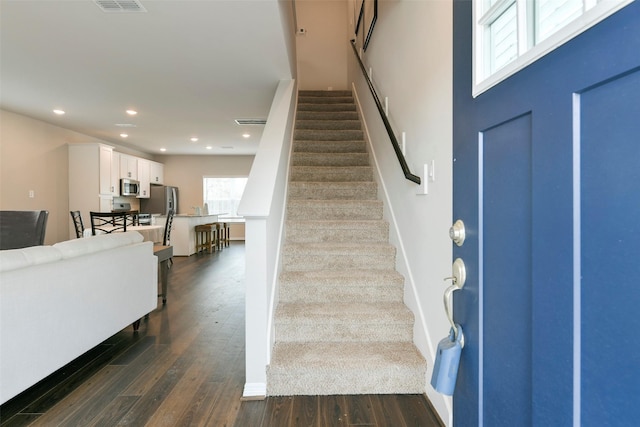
{"type": "Point", "coordinates": [457, 232]}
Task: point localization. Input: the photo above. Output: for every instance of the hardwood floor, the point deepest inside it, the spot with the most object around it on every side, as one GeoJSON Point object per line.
{"type": "Point", "coordinates": [185, 367]}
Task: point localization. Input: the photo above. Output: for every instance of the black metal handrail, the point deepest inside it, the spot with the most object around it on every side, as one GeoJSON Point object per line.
{"type": "Point", "coordinates": [387, 125]}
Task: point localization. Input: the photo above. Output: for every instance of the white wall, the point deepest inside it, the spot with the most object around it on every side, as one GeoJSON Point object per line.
{"type": "Point", "coordinates": [322, 49]}
{"type": "Point", "coordinates": [410, 55]}
{"type": "Point", "coordinates": [186, 173]}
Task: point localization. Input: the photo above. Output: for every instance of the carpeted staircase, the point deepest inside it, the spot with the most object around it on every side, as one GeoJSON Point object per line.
{"type": "Point", "coordinates": [341, 325]}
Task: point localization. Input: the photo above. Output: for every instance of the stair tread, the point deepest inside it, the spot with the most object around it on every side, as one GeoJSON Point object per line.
{"type": "Point", "coordinates": [340, 355]}
{"type": "Point", "coordinates": [351, 248]}
{"type": "Point", "coordinates": [329, 93]}
{"type": "Point", "coordinates": [338, 184]}
{"type": "Point", "coordinates": [327, 313]}
{"type": "Point", "coordinates": [343, 277]}
{"type": "Point", "coordinates": [337, 223]}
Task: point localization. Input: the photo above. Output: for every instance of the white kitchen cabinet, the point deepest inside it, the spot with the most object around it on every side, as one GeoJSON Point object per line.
{"type": "Point", "coordinates": [156, 174]}
{"type": "Point", "coordinates": [115, 173]}
{"type": "Point", "coordinates": [143, 177]}
{"type": "Point", "coordinates": [128, 166]}
{"type": "Point", "coordinates": [90, 180]}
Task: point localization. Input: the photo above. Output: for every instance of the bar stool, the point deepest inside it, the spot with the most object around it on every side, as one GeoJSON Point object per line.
{"type": "Point", "coordinates": [226, 231]}
{"type": "Point", "coordinates": [218, 234]}
{"type": "Point", "coordinates": [204, 238]}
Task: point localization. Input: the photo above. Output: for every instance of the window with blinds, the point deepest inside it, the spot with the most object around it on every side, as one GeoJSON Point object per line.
{"type": "Point", "coordinates": [222, 195]}
{"type": "Point", "coordinates": [510, 34]}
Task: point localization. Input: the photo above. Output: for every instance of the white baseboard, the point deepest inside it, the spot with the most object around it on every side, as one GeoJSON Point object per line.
{"type": "Point", "coordinates": [254, 391]}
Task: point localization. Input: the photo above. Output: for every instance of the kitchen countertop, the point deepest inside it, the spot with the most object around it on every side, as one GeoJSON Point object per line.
{"type": "Point", "coordinates": [183, 233]}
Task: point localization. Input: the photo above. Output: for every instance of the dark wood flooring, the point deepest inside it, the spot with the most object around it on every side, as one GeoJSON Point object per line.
{"type": "Point", "coordinates": [185, 367]}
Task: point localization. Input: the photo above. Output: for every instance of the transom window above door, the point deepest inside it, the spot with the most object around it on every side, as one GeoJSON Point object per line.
{"type": "Point", "coordinates": [511, 34]}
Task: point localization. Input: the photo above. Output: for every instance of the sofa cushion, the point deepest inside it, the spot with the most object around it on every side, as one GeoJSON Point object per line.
{"type": "Point", "coordinates": [13, 259]}
{"type": "Point", "coordinates": [101, 242]}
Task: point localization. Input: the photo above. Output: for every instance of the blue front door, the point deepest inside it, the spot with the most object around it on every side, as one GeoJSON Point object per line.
{"type": "Point", "coordinates": [547, 180]}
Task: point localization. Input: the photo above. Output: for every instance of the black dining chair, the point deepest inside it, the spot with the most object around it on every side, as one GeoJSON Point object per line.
{"type": "Point", "coordinates": [77, 223]}
{"type": "Point", "coordinates": [164, 252]}
{"type": "Point", "coordinates": [108, 222]}
{"type": "Point", "coordinates": [166, 240]}
{"type": "Point", "coordinates": [132, 218]}
{"type": "Point", "coordinates": [21, 229]}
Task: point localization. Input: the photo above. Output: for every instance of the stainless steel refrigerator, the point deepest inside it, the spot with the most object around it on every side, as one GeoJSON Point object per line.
{"type": "Point", "coordinates": [162, 198]}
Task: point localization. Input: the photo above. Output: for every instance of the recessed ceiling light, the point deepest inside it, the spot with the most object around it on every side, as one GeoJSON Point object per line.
{"type": "Point", "coordinates": [208, 147]}
{"type": "Point", "coordinates": [194, 139]}
{"type": "Point", "coordinates": [132, 112]}
{"type": "Point", "coordinates": [246, 135]}
{"type": "Point", "coordinates": [163, 149]}
{"type": "Point", "coordinates": [58, 112]}
{"type": "Point", "coordinates": [124, 135]}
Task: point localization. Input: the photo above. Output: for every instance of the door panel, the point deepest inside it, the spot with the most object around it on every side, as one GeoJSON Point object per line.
{"type": "Point", "coordinates": [545, 178]}
{"type": "Point", "coordinates": [610, 206]}
{"type": "Point", "coordinates": [506, 285]}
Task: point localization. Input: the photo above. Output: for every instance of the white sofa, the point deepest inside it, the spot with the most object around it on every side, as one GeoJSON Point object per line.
{"type": "Point", "coordinates": [57, 302]}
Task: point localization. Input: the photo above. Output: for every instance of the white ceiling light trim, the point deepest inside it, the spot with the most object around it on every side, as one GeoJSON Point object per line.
{"type": "Point", "coordinates": [120, 6]}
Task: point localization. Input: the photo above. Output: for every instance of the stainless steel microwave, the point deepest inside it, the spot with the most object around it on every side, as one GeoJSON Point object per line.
{"type": "Point", "coordinates": [129, 187]}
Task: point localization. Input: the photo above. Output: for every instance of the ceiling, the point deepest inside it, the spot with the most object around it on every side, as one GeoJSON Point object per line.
{"type": "Point", "coordinates": [188, 67]}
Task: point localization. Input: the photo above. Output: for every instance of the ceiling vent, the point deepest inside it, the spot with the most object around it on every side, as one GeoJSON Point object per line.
{"type": "Point", "coordinates": [128, 6]}
{"type": "Point", "coordinates": [251, 121]}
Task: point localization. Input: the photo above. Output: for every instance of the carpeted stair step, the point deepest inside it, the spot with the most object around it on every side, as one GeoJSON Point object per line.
{"type": "Point", "coordinates": [328, 134]}
{"type": "Point", "coordinates": [333, 190]}
{"type": "Point", "coordinates": [329, 159]}
{"type": "Point", "coordinates": [328, 124]}
{"type": "Point", "coordinates": [343, 322]}
{"type": "Point", "coordinates": [325, 93]}
{"type": "Point", "coordinates": [341, 286]}
{"type": "Point", "coordinates": [331, 174]}
{"type": "Point", "coordinates": [350, 106]}
{"type": "Point", "coordinates": [318, 231]}
{"type": "Point", "coordinates": [304, 99]}
{"type": "Point", "coordinates": [334, 209]}
{"type": "Point", "coordinates": [326, 368]}
{"type": "Point", "coordinates": [332, 256]}
{"type": "Point", "coordinates": [327, 115]}
{"type": "Point", "coordinates": [311, 146]}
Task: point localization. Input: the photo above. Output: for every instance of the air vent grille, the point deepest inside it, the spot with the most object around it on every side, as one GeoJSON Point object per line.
{"type": "Point", "coordinates": [251, 121]}
{"type": "Point", "coordinates": [120, 6]}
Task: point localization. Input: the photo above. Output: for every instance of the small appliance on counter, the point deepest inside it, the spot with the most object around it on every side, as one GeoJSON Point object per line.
{"type": "Point", "coordinates": [144, 219]}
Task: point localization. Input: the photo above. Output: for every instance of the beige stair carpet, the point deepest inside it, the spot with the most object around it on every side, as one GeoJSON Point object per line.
{"type": "Point", "coordinates": [341, 326]}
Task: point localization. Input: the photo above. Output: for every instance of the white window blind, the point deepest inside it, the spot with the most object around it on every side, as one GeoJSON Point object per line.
{"type": "Point", "coordinates": [503, 36]}
{"type": "Point", "coordinates": [551, 15]}
{"type": "Point", "coordinates": [222, 195]}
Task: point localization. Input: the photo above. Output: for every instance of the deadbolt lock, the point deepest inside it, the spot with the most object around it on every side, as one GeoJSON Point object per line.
{"type": "Point", "coordinates": [457, 232]}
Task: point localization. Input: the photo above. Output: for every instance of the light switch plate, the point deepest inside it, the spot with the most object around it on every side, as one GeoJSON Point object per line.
{"type": "Point", "coordinates": [423, 173]}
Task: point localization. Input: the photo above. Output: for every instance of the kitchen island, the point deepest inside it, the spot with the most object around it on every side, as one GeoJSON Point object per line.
{"type": "Point", "coordinates": [183, 234]}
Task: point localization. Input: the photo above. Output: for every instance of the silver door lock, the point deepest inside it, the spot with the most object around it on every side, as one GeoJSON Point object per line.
{"type": "Point", "coordinates": [457, 232]}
